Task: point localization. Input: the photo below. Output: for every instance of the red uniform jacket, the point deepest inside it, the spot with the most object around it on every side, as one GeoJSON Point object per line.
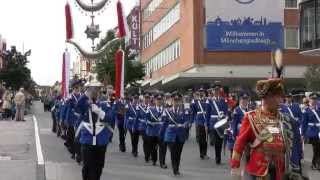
{"type": "Point", "coordinates": [262, 152]}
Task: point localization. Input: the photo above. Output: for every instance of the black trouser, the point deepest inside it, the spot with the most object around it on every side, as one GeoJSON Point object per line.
{"type": "Point", "coordinates": [162, 152]}
{"type": "Point", "coordinates": [145, 145]}
{"type": "Point", "coordinates": [134, 141]}
{"type": "Point", "coordinates": [153, 148]}
{"type": "Point", "coordinates": [70, 140]}
{"type": "Point", "coordinates": [176, 151]}
{"type": "Point", "coordinates": [77, 150]}
{"type": "Point", "coordinates": [316, 152]}
{"type": "Point", "coordinates": [202, 139]}
{"type": "Point", "coordinates": [217, 146]}
{"type": "Point", "coordinates": [54, 122]}
{"type": "Point", "coordinates": [122, 138]}
{"type": "Point", "coordinates": [211, 137]}
{"type": "Point", "coordinates": [93, 161]}
{"type": "Point", "coordinates": [7, 113]}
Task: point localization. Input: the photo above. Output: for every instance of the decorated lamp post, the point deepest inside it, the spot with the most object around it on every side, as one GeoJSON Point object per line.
{"type": "Point", "coordinates": [93, 32]}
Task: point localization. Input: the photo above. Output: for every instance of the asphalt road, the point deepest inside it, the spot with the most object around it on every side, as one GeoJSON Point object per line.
{"type": "Point", "coordinates": [122, 166]}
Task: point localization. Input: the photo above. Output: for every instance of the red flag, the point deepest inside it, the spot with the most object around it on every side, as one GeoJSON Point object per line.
{"type": "Point", "coordinates": [69, 24]}
{"type": "Point", "coordinates": [63, 82]}
{"type": "Point", "coordinates": [119, 81]}
{"type": "Point", "coordinates": [122, 21]}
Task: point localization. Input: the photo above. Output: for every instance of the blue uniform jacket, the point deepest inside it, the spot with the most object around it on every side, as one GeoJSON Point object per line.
{"type": "Point", "coordinates": [295, 110]}
{"type": "Point", "coordinates": [237, 117]}
{"type": "Point", "coordinates": [154, 122]}
{"type": "Point", "coordinates": [199, 113]}
{"type": "Point", "coordinates": [71, 115]}
{"type": "Point", "coordinates": [176, 131]}
{"type": "Point", "coordinates": [118, 112]}
{"type": "Point", "coordinates": [131, 117]}
{"type": "Point", "coordinates": [310, 123]}
{"type": "Point", "coordinates": [142, 118]}
{"type": "Point", "coordinates": [86, 136]}
{"type": "Point", "coordinates": [212, 114]}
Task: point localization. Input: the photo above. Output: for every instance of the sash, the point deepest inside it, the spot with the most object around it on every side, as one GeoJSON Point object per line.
{"type": "Point", "coordinates": [171, 119]}
{"type": "Point", "coordinates": [153, 116]}
{"type": "Point", "coordinates": [216, 108]}
{"type": "Point", "coordinates": [291, 114]}
{"type": "Point", "coordinates": [201, 109]}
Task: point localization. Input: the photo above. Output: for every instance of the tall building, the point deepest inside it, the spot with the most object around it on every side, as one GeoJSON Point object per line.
{"type": "Point", "coordinates": [310, 27]}
{"type": "Point", "coordinates": [191, 42]}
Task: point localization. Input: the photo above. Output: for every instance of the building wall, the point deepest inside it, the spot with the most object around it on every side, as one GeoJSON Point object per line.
{"type": "Point", "coordinates": [190, 30]}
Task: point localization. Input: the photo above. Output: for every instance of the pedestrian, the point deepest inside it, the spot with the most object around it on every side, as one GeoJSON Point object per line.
{"type": "Point", "coordinates": [291, 108]}
{"type": "Point", "coordinates": [142, 124]}
{"type": "Point", "coordinates": [310, 128]}
{"type": "Point", "coordinates": [94, 131]}
{"type": "Point", "coordinates": [177, 120]}
{"type": "Point", "coordinates": [6, 104]}
{"type": "Point", "coordinates": [20, 102]}
{"type": "Point", "coordinates": [273, 138]}
{"type": "Point", "coordinates": [119, 111]}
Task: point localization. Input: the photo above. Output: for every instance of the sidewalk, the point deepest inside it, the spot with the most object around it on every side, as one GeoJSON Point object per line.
{"type": "Point", "coordinates": [17, 150]}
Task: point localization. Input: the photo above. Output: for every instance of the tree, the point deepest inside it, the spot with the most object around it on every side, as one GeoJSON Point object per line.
{"type": "Point", "coordinates": [134, 71]}
{"type": "Point", "coordinates": [312, 78]}
{"type": "Point", "coordinates": [16, 74]}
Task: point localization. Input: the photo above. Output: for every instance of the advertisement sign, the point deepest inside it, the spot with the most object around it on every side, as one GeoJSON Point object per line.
{"type": "Point", "coordinates": [134, 26]}
{"type": "Point", "coordinates": [244, 25]}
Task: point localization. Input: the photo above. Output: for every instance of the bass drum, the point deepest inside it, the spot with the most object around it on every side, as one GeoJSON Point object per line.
{"type": "Point", "coordinates": [221, 126]}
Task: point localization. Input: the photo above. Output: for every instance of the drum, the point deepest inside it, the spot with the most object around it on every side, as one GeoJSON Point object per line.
{"type": "Point", "coordinates": [221, 126]}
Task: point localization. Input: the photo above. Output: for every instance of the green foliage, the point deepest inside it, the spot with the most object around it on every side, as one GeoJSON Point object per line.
{"type": "Point", "coordinates": [312, 78]}
{"type": "Point", "coordinates": [16, 74]}
{"type": "Point", "coordinates": [105, 68]}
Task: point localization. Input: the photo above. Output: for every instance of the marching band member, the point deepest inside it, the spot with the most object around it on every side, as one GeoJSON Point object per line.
{"type": "Point", "coordinates": [119, 113]}
{"type": "Point", "coordinates": [198, 107]}
{"type": "Point", "coordinates": [142, 124]}
{"type": "Point", "coordinates": [94, 131]}
{"type": "Point", "coordinates": [154, 124]}
{"type": "Point", "coordinates": [71, 118]}
{"type": "Point", "coordinates": [310, 128]}
{"type": "Point", "coordinates": [273, 138]}
{"type": "Point", "coordinates": [131, 119]}
{"type": "Point", "coordinates": [291, 109]}
{"type": "Point", "coordinates": [237, 118]}
{"type": "Point", "coordinates": [177, 119]}
{"type": "Point", "coordinates": [217, 109]}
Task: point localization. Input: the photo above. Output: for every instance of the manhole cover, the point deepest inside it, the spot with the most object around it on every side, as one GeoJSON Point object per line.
{"type": "Point", "coordinates": [5, 158]}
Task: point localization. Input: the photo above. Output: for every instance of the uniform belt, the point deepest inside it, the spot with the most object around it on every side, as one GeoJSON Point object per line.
{"type": "Point", "coordinates": [201, 112]}
{"type": "Point", "coordinates": [214, 116]}
{"type": "Point", "coordinates": [176, 125]}
{"type": "Point", "coordinates": [314, 124]}
{"type": "Point", "coordinates": [131, 118]}
{"type": "Point", "coordinates": [142, 120]}
{"type": "Point", "coordinates": [154, 123]}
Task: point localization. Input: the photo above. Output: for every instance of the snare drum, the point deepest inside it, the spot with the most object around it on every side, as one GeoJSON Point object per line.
{"type": "Point", "coordinates": [221, 126]}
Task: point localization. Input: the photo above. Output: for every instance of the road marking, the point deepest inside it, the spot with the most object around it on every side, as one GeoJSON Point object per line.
{"type": "Point", "coordinates": [38, 143]}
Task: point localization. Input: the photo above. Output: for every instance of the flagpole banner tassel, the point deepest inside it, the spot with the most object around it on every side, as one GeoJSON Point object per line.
{"type": "Point", "coordinates": [69, 23]}
{"type": "Point", "coordinates": [119, 79]}
{"type": "Point", "coordinates": [65, 75]}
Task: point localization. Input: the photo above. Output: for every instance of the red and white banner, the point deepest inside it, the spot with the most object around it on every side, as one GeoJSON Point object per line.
{"type": "Point", "coordinates": [119, 81]}
{"type": "Point", "coordinates": [65, 75]}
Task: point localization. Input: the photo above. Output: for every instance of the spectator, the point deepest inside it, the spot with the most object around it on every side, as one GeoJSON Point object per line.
{"type": "Point", "coordinates": [19, 100]}
{"type": "Point", "coordinates": [6, 105]}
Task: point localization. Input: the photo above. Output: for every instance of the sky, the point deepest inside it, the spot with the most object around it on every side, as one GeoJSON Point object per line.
{"type": "Point", "coordinates": [39, 25]}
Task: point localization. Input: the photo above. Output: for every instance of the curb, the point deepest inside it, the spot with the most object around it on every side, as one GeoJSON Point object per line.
{"type": "Point", "coordinates": [40, 169]}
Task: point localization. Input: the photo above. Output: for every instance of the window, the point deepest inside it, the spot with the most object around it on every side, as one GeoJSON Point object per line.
{"type": "Point", "coordinates": [164, 57]}
{"type": "Point", "coordinates": [291, 38]}
{"type": "Point", "coordinates": [163, 25]}
{"type": "Point", "coordinates": [291, 4]}
{"type": "Point", "coordinates": [308, 32]}
{"type": "Point", "coordinates": [151, 7]}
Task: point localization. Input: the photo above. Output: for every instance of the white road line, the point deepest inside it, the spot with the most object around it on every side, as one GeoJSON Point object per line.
{"type": "Point", "coordinates": [38, 143]}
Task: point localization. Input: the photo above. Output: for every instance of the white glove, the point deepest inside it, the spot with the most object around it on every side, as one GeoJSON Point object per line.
{"type": "Point", "coordinates": [98, 111]}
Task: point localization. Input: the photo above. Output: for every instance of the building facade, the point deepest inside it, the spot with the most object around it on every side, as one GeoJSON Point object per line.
{"type": "Point", "coordinates": [187, 43]}
{"type": "Point", "coordinates": [310, 27]}
{"type": "Point", "coordinates": [82, 67]}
